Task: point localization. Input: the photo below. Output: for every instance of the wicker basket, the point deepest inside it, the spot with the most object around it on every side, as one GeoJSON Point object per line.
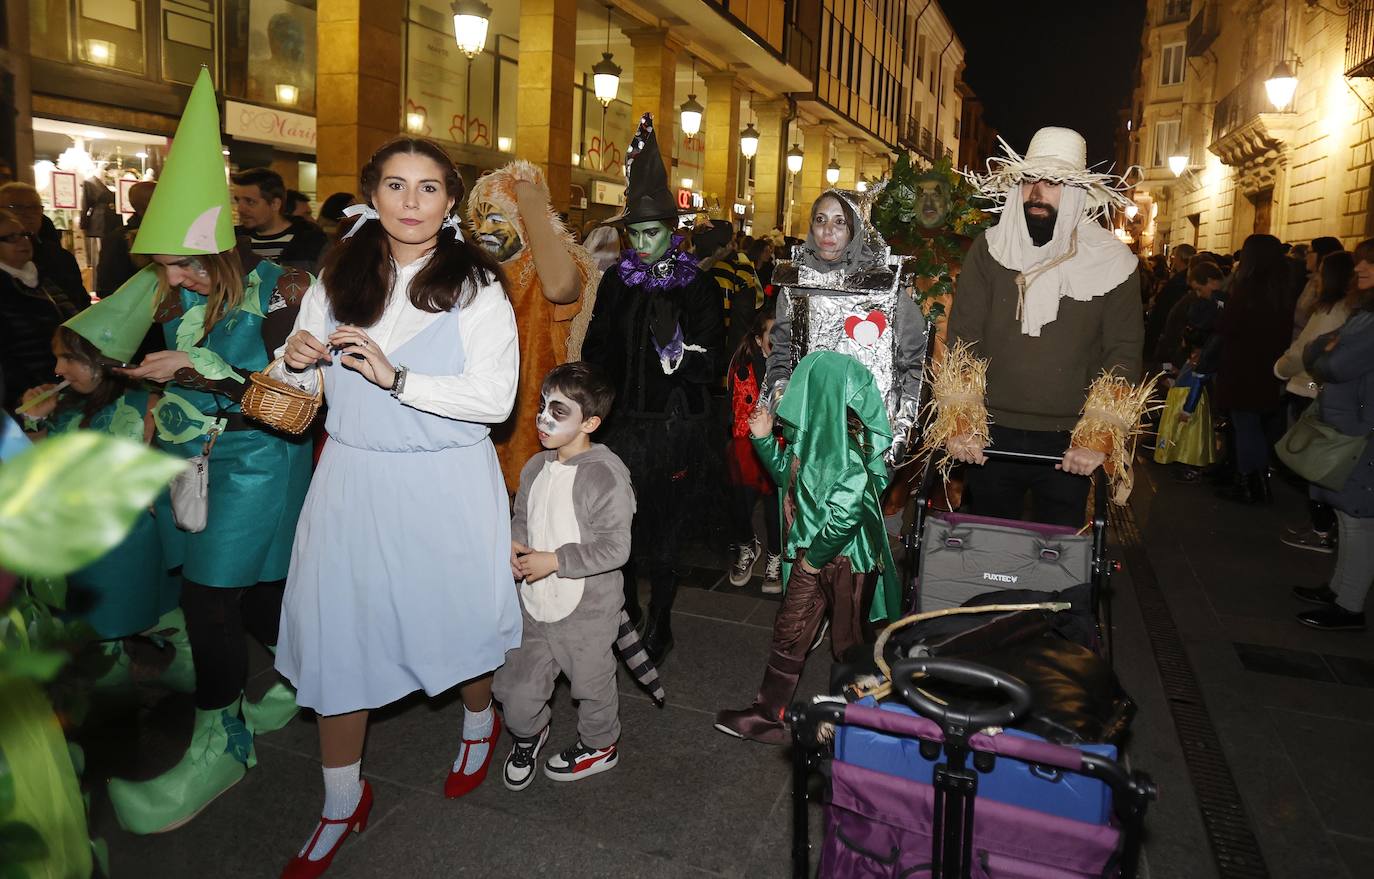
{"type": "Point", "coordinates": [279, 405]}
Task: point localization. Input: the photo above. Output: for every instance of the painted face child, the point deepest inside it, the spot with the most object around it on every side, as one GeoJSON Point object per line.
{"type": "Point", "coordinates": [561, 425]}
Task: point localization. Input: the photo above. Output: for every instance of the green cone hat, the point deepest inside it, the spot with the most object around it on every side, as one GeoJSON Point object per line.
{"type": "Point", "coordinates": [190, 212]}
{"type": "Point", "coordinates": [117, 324]}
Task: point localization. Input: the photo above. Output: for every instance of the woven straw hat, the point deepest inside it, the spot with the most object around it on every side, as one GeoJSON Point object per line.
{"type": "Point", "coordinates": [1059, 155]}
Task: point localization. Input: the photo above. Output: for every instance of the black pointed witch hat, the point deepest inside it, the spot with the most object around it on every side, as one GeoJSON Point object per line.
{"type": "Point", "coordinates": [647, 196]}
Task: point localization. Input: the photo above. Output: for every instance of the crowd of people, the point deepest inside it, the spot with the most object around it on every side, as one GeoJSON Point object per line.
{"type": "Point", "coordinates": [587, 404]}
{"type": "Point", "coordinates": [1253, 343]}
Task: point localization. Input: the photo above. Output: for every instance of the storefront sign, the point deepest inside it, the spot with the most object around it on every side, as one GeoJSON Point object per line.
{"type": "Point", "coordinates": [687, 199]}
{"type": "Point", "coordinates": [276, 127]}
{"type": "Point", "coordinates": [605, 192]}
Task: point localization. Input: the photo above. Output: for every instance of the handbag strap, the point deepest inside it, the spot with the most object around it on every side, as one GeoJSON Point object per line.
{"type": "Point", "coordinates": [210, 443]}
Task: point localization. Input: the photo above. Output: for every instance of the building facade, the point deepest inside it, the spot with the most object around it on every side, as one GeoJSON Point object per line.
{"type": "Point", "coordinates": [1226, 152]}
{"type": "Point", "coordinates": [312, 87]}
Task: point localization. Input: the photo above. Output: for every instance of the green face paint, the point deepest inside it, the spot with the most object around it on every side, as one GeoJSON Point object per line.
{"type": "Point", "coordinates": [650, 240]}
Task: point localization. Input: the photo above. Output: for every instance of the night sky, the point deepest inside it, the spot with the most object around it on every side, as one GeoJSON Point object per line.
{"type": "Point", "coordinates": [1051, 62]}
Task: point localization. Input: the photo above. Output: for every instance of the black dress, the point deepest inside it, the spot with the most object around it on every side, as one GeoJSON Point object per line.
{"type": "Point", "coordinates": [661, 423]}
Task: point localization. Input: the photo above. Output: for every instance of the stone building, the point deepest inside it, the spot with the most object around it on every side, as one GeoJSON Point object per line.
{"type": "Point", "coordinates": [1225, 152]}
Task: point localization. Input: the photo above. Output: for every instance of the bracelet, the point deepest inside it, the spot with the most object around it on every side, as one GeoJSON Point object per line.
{"type": "Point", "coordinates": [398, 384]}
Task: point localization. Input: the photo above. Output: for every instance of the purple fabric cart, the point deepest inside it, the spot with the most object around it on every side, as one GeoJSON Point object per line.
{"type": "Point", "coordinates": [880, 824]}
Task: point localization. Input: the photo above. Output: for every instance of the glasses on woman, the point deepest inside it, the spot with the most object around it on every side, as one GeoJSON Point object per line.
{"type": "Point", "coordinates": [15, 237]}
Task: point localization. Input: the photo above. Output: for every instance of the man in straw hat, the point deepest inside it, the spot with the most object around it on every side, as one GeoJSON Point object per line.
{"type": "Point", "coordinates": [1050, 298]}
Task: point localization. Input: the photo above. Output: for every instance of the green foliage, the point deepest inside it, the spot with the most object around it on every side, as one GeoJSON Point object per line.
{"type": "Point", "coordinates": [63, 504]}
{"type": "Point", "coordinates": [932, 253]}
{"type": "Point", "coordinates": [73, 498]}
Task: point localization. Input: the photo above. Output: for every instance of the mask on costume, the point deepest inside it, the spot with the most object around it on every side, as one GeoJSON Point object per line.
{"type": "Point", "coordinates": [650, 240]}
{"type": "Point", "coordinates": [559, 420]}
{"type": "Point", "coordinates": [830, 229]}
{"type": "Point", "coordinates": [932, 201]}
{"type": "Point", "coordinates": [496, 233]}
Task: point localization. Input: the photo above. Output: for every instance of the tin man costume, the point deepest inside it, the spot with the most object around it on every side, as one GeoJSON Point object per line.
{"type": "Point", "coordinates": [859, 305]}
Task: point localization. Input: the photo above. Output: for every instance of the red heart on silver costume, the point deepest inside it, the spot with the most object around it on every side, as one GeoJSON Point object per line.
{"type": "Point", "coordinates": [866, 331]}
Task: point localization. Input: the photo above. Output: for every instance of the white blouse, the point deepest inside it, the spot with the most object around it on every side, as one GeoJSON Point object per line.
{"type": "Point", "coordinates": [485, 390]}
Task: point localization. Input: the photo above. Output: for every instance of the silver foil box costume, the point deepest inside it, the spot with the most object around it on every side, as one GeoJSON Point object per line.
{"type": "Point", "coordinates": [863, 307]}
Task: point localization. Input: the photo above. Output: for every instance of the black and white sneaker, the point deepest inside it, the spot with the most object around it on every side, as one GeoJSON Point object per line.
{"type": "Point", "coordinates": [520, 762]}
{"type": "Point", "coordinates": [577, 761]}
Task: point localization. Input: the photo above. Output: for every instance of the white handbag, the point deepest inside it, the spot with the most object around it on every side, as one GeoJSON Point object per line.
{"type": "Point", "coordinates": [191, 491]}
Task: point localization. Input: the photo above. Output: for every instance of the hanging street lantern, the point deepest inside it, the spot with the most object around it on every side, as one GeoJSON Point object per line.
{"type": "Point", "coordinates": [749, 141]}
{"type": "Point", "coordinates": [1281, 85]}
{"type": "Point", "coordinates": [794, 159]}
{"type": "Point", "coordinates": [692, 110]}
{"type": "Point", "coordinates": [606, 73]}
{"type": "Point", "coordinates": [832, 172]}
{"type": "Point", "coordinates": [470, 21]}
{"type": "Point", "coordinates": [606, 79]}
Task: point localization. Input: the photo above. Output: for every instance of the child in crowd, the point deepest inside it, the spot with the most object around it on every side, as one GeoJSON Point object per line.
{"type": "Point", "coordinates": [570, 534]}
{"type": "Point", "coordinates": [127, 591]}
{"type": "Point", "coordinates": [1185, 428]}
{"type": "Point", "coordinates": [832, 474]}
{"type": "Point", "coordinates": [748, 480]}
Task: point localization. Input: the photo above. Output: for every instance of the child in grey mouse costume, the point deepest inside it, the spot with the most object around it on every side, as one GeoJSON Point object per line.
{"type": "Point", "coordinates": [570, 534]}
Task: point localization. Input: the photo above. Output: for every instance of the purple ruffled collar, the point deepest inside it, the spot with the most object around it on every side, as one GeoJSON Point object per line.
{"type": "Point", "coordinates": [675, 269]}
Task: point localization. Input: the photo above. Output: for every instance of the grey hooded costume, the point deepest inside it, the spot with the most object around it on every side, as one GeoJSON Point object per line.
{"type": "Point", "coordinates": [860, 305]}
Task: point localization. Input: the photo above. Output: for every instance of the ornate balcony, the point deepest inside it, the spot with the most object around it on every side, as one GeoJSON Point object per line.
{"type": "Point", "coordinates": [1248, 136]}
{"type": "Point", "coordinates": [1359, 39]}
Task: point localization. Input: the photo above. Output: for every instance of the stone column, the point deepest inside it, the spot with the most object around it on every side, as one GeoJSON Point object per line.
{"type": "Point", "coordinates": [543, 134]}
{"type": "Point", "coordinates": [768, 163]}
{"type": "Point", "coordinates": [722, 140]}
{"type": "Point", "coordinates": [358, 87]}
{"type": "Point", "coordinates": [811, 181]}
{"type": "Point", "coordinates": [655, 86]}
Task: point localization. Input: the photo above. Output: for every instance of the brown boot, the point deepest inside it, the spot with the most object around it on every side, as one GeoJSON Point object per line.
{"type": "Point", "coordinates": [763, 720]}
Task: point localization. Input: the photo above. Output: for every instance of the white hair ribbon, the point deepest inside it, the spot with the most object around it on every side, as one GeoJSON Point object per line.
{"type": "Point", "coordinates": [364, 212]}
{"type": "Point", "coordinates": [452, 222]}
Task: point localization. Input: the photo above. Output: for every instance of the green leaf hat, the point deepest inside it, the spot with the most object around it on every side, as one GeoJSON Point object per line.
{"type": "Point", "coordinates": [117, 324]}
{"type": "Point", "coordinates": [190, 212]}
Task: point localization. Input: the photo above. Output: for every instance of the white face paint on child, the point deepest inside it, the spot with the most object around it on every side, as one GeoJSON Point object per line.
{"type": "Point", "coordinates": [559, 420]}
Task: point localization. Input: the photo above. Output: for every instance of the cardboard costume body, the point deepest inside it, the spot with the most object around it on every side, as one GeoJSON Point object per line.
{"type": "Point", "coordinates": [859, 305]}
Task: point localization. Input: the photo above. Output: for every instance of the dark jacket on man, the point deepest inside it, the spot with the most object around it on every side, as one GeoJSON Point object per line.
{"type": "Point", "coordinates": [1168, 296]}
{"type": "Point", "coordinates": [116, 263]}
{"type": "Point", "coordinates": [1040, 382]}
{"type": "Point", "coordinates": [303, 251]}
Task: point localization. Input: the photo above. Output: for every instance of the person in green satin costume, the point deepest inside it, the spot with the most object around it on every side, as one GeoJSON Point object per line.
{"type": "Point", "coordinates": [128, 591]}
{"type": "Point", "coordinates": [223, 314]}
{"type": "Point", "coordinates": [832, 474]}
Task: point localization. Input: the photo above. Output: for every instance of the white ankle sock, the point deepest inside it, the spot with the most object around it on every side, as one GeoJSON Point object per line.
{"type": "Point", "coordinates": [476, 725]}
{"type": "Point", "coordinates": [342, 791]}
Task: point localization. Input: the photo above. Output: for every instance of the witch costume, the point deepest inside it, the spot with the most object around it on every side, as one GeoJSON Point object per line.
{"type": "Point", "coordinates": [860, 305]}
{"type": "Point", "coordinates": [658, 331]}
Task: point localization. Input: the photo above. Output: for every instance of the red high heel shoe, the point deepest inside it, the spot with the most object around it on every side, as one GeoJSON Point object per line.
{"type": "Point", "coordinates": [301, 867]}
{"type": "Point", "coordinates": [460, 783]}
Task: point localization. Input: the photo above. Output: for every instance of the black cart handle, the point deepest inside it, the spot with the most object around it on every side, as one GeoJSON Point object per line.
{"type": "Point", "coordinates": [957, 671]}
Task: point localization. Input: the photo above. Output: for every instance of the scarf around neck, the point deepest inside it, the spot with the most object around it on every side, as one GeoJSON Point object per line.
{"type": "Point", "coordinates": [28, 275]}
{"type": "Point", "coordinates": [674, 269]}
{"type": "Point", "coordinates": [1082, 261]}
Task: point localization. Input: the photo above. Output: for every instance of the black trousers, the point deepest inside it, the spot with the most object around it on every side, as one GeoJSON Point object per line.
{"type": "Point", "coordinates": [742, 501]}
{"type": "Point", "coordinates": [998, 488]}
{"type": "Point", "coordinates": [217, 618]}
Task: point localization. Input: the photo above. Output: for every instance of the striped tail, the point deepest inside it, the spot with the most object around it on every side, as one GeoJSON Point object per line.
{"type": "Point", "coordinates": [631, 652]}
